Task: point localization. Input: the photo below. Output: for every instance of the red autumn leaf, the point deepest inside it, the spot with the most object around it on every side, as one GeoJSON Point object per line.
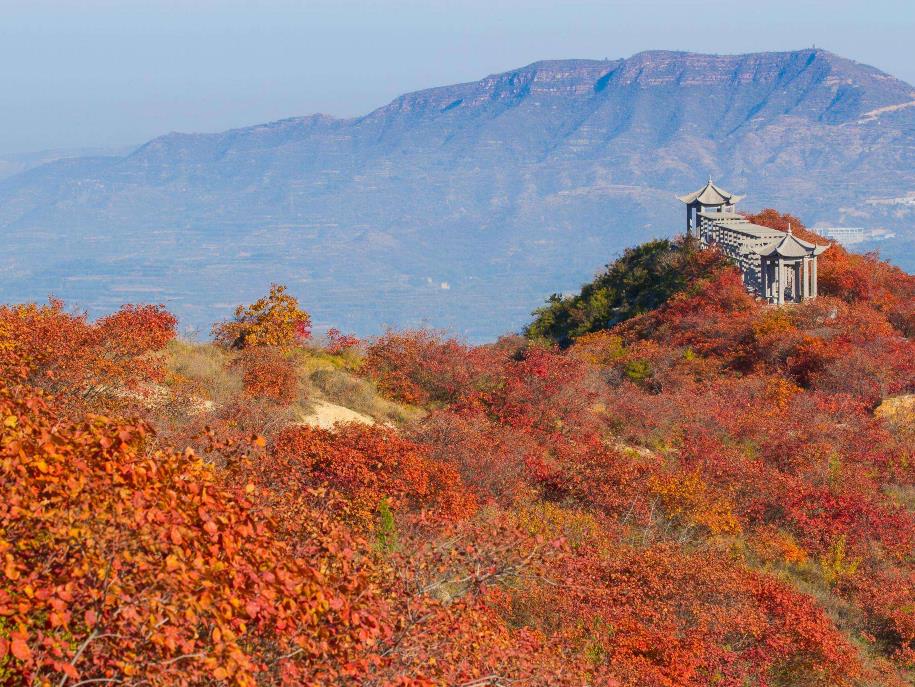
{"type": "Point", "coordinates": [20, 649]}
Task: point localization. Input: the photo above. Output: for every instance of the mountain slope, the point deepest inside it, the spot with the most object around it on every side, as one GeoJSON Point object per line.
{"type": "Point", "coordinates": [461, 206]}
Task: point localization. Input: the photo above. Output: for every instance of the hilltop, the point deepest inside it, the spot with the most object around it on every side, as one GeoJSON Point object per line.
{"type": "Point", "coordinates": [699, 488]}
{"type": "Point", "coordinates": [462, 205]}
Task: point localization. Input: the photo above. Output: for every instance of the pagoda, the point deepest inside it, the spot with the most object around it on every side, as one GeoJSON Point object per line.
{"type": "Point", "coordinates": [708, 197]}
{"type": "Point", "coordinates": [775, 265]}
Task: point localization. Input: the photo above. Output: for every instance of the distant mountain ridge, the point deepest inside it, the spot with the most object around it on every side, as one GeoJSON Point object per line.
{"type": "Point", "coordinates": [463, 206]}
{"type": "Point", "coordinates": [16, 163]}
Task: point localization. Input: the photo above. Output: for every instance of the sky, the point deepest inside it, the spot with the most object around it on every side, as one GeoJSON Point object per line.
{"type": "Point", "coordinates": [101, 73]}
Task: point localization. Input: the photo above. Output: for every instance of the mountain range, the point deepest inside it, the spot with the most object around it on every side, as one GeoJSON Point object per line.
{"type": "Point", "coordinates": [462, 207]}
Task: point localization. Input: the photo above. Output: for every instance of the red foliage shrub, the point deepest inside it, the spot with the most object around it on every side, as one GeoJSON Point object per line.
{"type": "Point", "coordinates": [490, 458]}
{"type": "Point", "coordinates": [135, 330]}
{"type": "Point", "coordinates": [338, 342]}
{"type": "Point", "coordinates": [268, 374]}
{"type": "Point", "coordinates": [585, 471]}
{"type": "Point", "coordinates": [774, 219]}
{"type": "Point", "coordinates": [115, 358]}
{"type": "Point", "coordinates": [538, 389]}
{"type": "Point", "coordinates": [448, 591]}
{"type": "Point", "coordinates": [712, 318]}
{"type": "Point", "coordinates": [367, 465]}
{"type": "Point", "coordinates": [659, 616]}
{"type": "Point", "coordinates": [421, 367]}
{"type": "Point", "coordinates": [888, 597]}
{"type": "Point", "coordinates": [810, 356]}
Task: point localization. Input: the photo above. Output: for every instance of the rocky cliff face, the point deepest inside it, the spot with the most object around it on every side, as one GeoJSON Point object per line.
{"type": "Point", "coordinates": [462, 206]}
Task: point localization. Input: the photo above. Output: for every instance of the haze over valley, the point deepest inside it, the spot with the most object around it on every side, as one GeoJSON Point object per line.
{"type": "Point", "coordinates": [461, 207]}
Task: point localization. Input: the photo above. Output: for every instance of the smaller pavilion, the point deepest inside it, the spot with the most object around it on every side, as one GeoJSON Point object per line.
{"type": "Point", "coordinates": [775, 265]}
{"type": "Point", "coordinates": [707, 198]}
{"type": "Point", "coordinates": [788, 270]}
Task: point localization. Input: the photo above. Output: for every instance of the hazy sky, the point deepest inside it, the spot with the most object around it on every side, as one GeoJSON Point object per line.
{"type": "Point", "coordinates": [106, 72]}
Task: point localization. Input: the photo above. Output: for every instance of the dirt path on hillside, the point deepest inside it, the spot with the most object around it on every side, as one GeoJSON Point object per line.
{"type": "Point", "coordinates": [325, 415]}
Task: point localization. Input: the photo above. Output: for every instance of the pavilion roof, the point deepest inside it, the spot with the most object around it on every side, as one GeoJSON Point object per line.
{"type": "Point", "coordinates": [710, 194]}
{"type": "Point", "coordinates": [790, 246]}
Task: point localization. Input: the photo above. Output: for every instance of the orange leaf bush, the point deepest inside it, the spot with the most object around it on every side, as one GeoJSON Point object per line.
{"type": "Point", "coordinates": [114, 360]}
{"type": "Point", "coordinates": [274, 320]}
{"type": "Point", "coordinates": [367, 465]}
{"type": "Point", "coordinates": [122, 564]}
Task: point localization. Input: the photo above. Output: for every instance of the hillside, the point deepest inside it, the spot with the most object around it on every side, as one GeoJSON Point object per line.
{"type": "Point", "coordinates": [706, 490]}
{"type": "Point", "coordinates": [643, 279]}
{"type": "Point", "coordinates": [11, 165]}
{"type": "Point", "coordinates": [460, 206]}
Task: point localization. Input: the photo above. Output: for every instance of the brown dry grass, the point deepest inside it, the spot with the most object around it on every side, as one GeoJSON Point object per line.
{"type": "Point", "coordinates": [206, 371]}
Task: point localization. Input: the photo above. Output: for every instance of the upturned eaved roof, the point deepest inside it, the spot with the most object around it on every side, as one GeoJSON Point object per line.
{"type": "Point", "coordinates": [710, 195]}
{"type": "Point", "coordinates": [790, 246]}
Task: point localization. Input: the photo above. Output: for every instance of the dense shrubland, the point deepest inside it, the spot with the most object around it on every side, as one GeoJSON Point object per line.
{"type": "Point", "coordinates": [642, 279]}
{"type": "Point", "coordinates": [697, 489]}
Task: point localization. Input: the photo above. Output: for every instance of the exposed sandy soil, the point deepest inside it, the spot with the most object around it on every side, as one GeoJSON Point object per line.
{"type": "Point", "coordinates": [325, 415]}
